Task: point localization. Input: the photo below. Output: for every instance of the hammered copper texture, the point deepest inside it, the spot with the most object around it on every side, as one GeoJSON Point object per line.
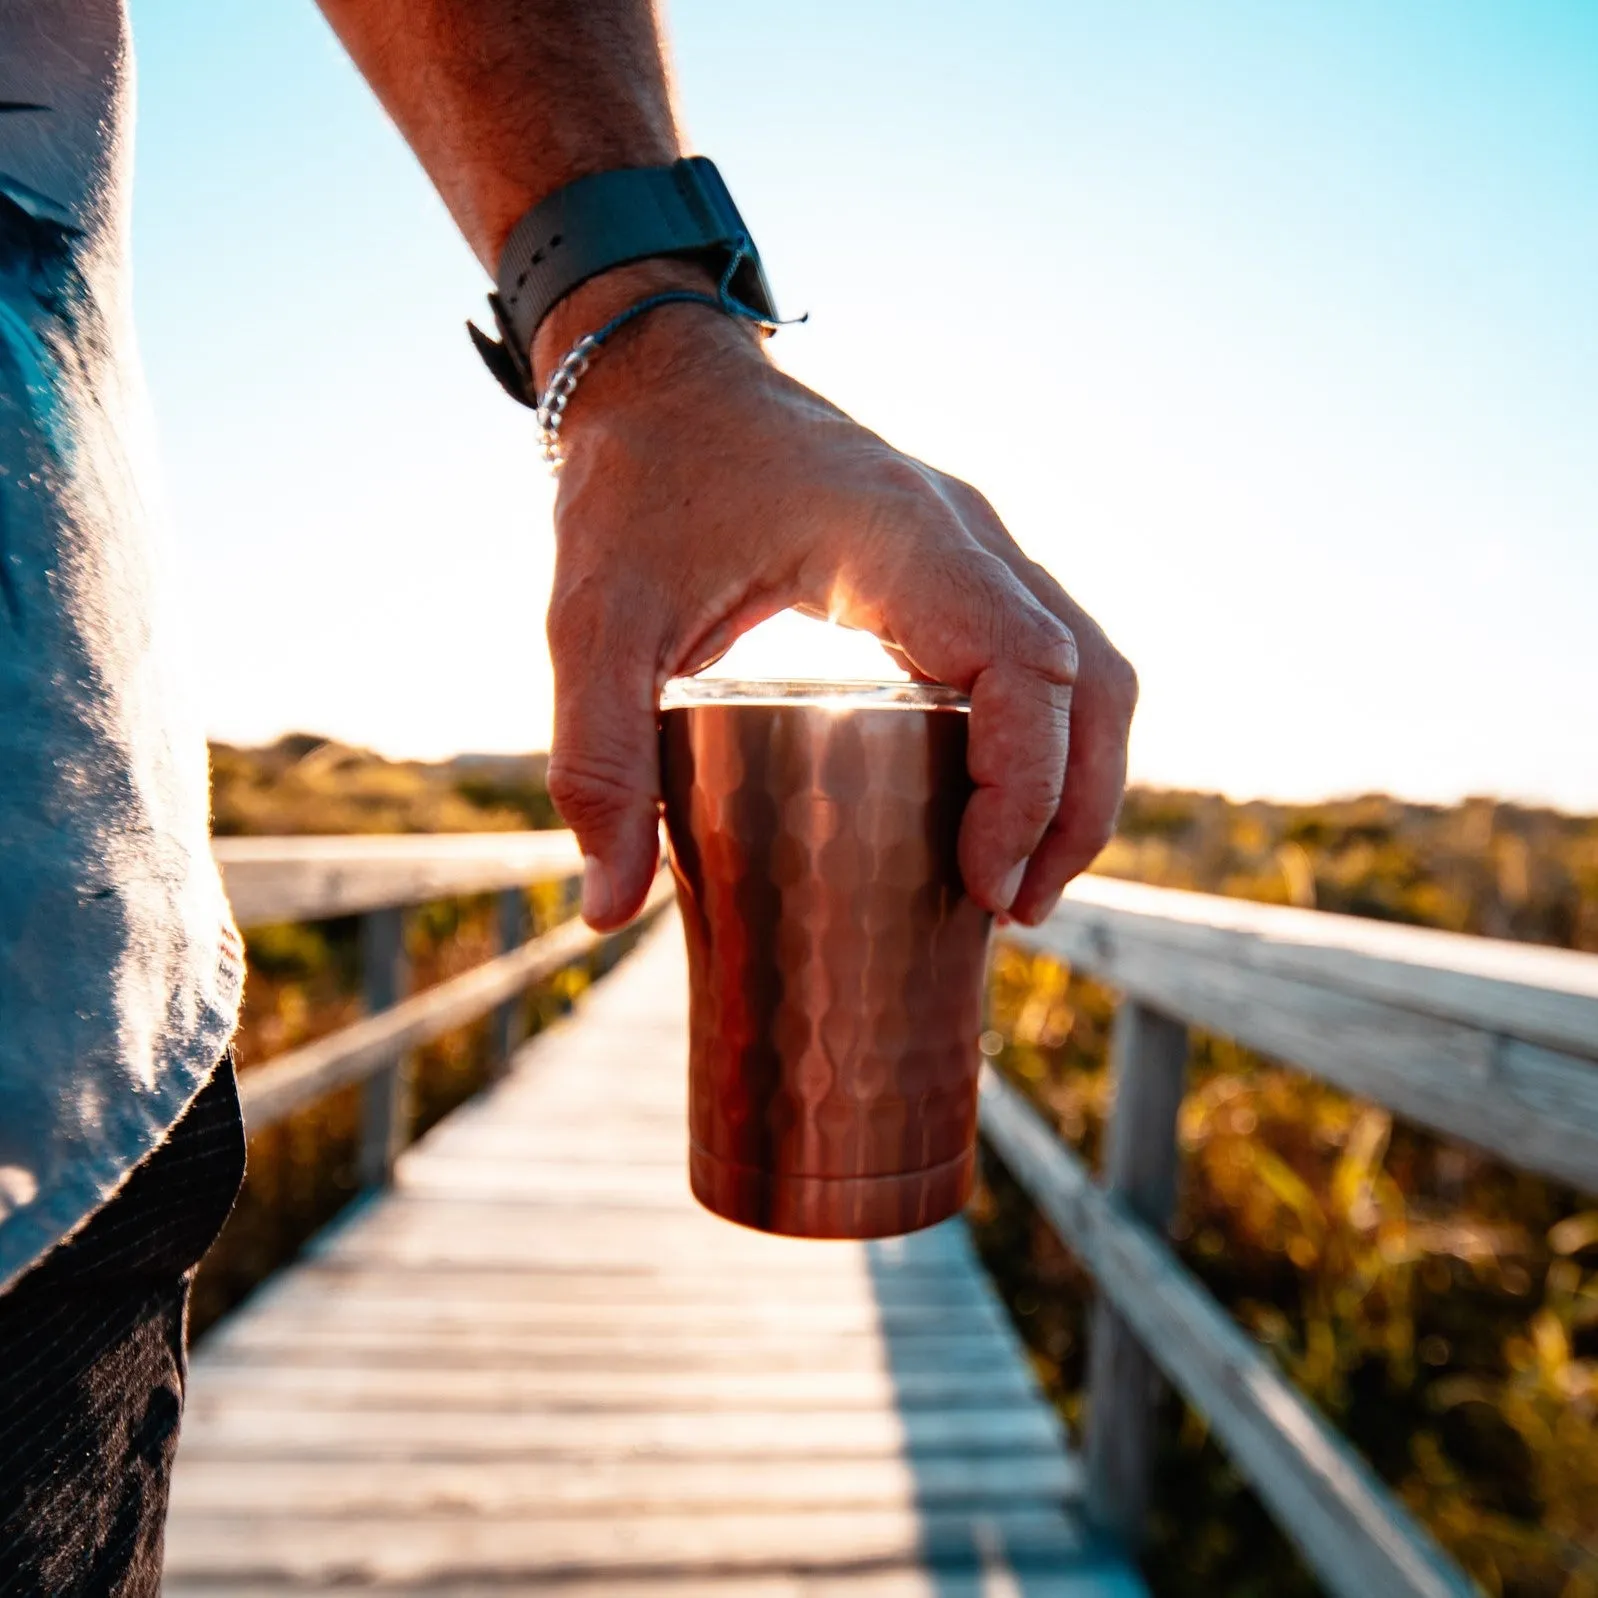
{"type": "Point", "coordinates": [836, 964]}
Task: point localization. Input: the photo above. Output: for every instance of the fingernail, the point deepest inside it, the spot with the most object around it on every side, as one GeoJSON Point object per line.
{"type": "Point", "coordinates": [1011, 885]}
{"type": "Point", "coordinates": [597, 894]}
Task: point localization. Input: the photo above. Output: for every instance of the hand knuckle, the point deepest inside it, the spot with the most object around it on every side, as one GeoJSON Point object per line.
{"type": "Point", "coordinates": [1034, 799]}
{"type": "Point", "coordinates": [1121, 681]}
{"type": "Point", "coordinates": [1100, 835]}
{"type": "Point", "coordinates": [574, 615]}
{"type": "Point", "coordinates": [588, 790]}
{"type": "Point", "coordinates": [1045, 645]}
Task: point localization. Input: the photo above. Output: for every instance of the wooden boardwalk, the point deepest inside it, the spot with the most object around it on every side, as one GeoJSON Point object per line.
{"type": "Point", "coordinates": [536, 1366]}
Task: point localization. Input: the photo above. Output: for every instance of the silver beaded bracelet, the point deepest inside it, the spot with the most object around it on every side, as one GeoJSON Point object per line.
{"type": "Point", "coordinates": [562, 385]}
{"type": "Point", "coordinates": [563, 381]}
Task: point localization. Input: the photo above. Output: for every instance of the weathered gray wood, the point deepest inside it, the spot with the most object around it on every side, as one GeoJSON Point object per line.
{"type": "Point", "coordinates": [541, 1309]}
{"type": "Point", "coordinates": [621, 1350]}
{"type": "Point", "coordinates": [428, 1231]}
{"type": "Point", "coordinates": [507, 1297]}
{"type": "Point", "coordinates": [276, 1089]}
{"type": "Point", "coordinates": [329, 1488]}
{"type": "Point", "coordinates": [457, 1548]}
{"type": "Point", "coordinates": [1086, 1579]}
{"type": "Point", "coordinates": [1517, 990]}
{"type": "Point", "coordinates": [234, 1428]}
{"type": "Point", "coordinates": [1358, 1538]}
{"type": "Point", "coordinates": [512, 918]}
{"type": "Point", "coordinates": [474, 1385]}
{"type": "Point", "coordinates": [1149, 1062]}
{"type": "Point", "coordinates": [1529, 1104]}
{"type": "Point", "coordinates": [429, 1378]}
{"type": "Point", "coordinates": [385, 975]}
{"type": "Point", "coordinates": [306, 879]}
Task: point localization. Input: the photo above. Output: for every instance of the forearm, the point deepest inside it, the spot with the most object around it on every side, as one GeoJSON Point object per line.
{"type": "Point", "coordinates": [505, 101]}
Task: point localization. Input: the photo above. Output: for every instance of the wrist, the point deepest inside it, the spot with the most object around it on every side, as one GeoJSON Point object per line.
{"type": "Point", "coordinates": [648, 352]}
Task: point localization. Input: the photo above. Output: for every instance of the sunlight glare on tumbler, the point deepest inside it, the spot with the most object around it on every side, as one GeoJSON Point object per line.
{"type": "Point", "coordinates": [789, 647]}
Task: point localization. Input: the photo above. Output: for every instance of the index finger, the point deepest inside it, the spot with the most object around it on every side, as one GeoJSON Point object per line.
{"type": "Point", "coordinates": [966, 620]}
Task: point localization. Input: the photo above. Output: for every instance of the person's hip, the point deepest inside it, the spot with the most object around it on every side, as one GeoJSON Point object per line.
{"type": "Point", "coordinates": [93, 1365]}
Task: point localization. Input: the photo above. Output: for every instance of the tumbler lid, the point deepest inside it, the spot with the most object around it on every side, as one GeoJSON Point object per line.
{"type": "Point", "coordinates": [682, 692]}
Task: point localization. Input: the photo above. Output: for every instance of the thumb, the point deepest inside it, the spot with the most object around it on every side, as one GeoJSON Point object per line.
{"type": "Point", "coordinates": [603, 770]}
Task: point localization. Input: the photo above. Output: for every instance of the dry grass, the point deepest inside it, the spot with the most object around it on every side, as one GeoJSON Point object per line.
{"type": "Point", "coordinates": [1439, 1307]}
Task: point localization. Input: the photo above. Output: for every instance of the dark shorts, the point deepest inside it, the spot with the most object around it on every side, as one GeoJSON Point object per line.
{"type": "Point", "coordinates": [92, 1368]}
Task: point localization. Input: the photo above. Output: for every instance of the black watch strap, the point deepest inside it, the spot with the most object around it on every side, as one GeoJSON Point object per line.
{"type": "Point", "coordinates": [607, 220]}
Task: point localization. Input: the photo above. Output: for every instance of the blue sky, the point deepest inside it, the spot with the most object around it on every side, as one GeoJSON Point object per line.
{"type": "Point", "coordinates": [1271, 329]}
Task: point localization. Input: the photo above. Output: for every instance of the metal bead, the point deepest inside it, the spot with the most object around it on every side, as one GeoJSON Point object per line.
{"type": "Point", "coordinates": [558, 392]}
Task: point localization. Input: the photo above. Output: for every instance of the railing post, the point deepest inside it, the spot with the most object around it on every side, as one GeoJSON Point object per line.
{"type": "Point", "coordinates": [384, 977]}
{"type": "Point", "coordinates": [1148, 1053]}
{"type": "Point", "coordinates": [514, 925]}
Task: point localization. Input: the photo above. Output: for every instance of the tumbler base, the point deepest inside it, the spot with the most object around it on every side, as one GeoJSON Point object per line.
{"type": "Point", "coordinates": [855, 1207]}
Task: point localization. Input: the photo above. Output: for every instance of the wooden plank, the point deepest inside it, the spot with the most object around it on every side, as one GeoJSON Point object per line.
{"type": "Point", "coordinates": [431, 1231]}
{"type": "Point", "coordinates": [1531, 1105]}
{"type": "Point", "coordinates": [1089, 1578]}
{"type": "Point", "coordinates": [330, 1489]}
{"type": "Point", "coordinates": [530, 1547]}
{"type": "Point", "coordinates": [656, 1147]}
{"type": "Point", "coordinates": [237, 1429]}
{"type": "Point", "coordinates": [276, 1089]}
{"type": "Point", "coordinates": [643, 1281]}
{"type": "Point", "coordinates": [512, 1372]}
{"type": "Point", "coordinates": [1357, 1537]}
{"type": "Point", "coordinates": [623, 1350]}
{"type": "Point", "coordinates": [832, 1317]}
{"type": "Point", "coordinates": [657, 1144]}
{"type": "Point", "coordinates": [307, 879]}
{"type": "Point", "coordinates": [502, 1294]}
{"type": "Point", "coordinates": [1149, 1061]}
{"type": "Point", "coordinates": [1103, 1577]}
{"type": "Point", "coordinates": [580, 1189]}
{"type": "Point", "coordinates": [1519, 990]}
{"type": "Point", "coordinates": [427, 1380]}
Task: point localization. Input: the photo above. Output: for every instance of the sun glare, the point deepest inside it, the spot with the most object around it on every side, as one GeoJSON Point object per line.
{"type": "Point", "coordinates": [793, 648]}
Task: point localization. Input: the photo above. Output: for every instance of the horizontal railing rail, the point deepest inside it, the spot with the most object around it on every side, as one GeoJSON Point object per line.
{"type": "Point", "coordinates": [272, 880]}
{"type": "Point", "coordinates": [365, 1047]}
{"type": "Point", "coordinates": [312, 879]}
{"type": "Point", "coordinates": [1489, 1042]}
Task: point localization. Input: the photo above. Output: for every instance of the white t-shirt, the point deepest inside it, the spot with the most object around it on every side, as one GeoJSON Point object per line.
{"type": "Point", "coordinates": [120, 969]}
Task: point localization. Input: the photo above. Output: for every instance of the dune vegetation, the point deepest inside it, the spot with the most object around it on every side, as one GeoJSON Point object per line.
{"type": "Point", "coordinates": [1439, 1307]}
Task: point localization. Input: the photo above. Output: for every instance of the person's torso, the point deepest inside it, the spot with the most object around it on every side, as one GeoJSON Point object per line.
{"type": "Point", "coordinates": [119, 968]}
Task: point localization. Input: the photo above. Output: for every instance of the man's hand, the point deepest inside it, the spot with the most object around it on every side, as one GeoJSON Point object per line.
{"type": "Point", "coordinates": [704, 491]}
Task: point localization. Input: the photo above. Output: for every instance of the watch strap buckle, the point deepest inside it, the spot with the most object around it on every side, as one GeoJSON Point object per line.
{"type": "Point", "coordinates": [504, 357]}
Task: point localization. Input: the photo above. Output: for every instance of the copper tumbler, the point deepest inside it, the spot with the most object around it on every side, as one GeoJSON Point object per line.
{"type": "Point", "coordinates": [836, 965]}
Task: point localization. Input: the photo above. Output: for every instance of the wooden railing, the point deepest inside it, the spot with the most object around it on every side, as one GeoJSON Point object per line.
{"type": "Point", "coordinates": [1492, 1043]}
{"type": "Point", "coordinates": [307, 879]}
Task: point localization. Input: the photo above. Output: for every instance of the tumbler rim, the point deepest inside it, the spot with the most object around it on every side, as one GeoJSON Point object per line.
{"type": "Point", "coordinates": [683, 693]}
